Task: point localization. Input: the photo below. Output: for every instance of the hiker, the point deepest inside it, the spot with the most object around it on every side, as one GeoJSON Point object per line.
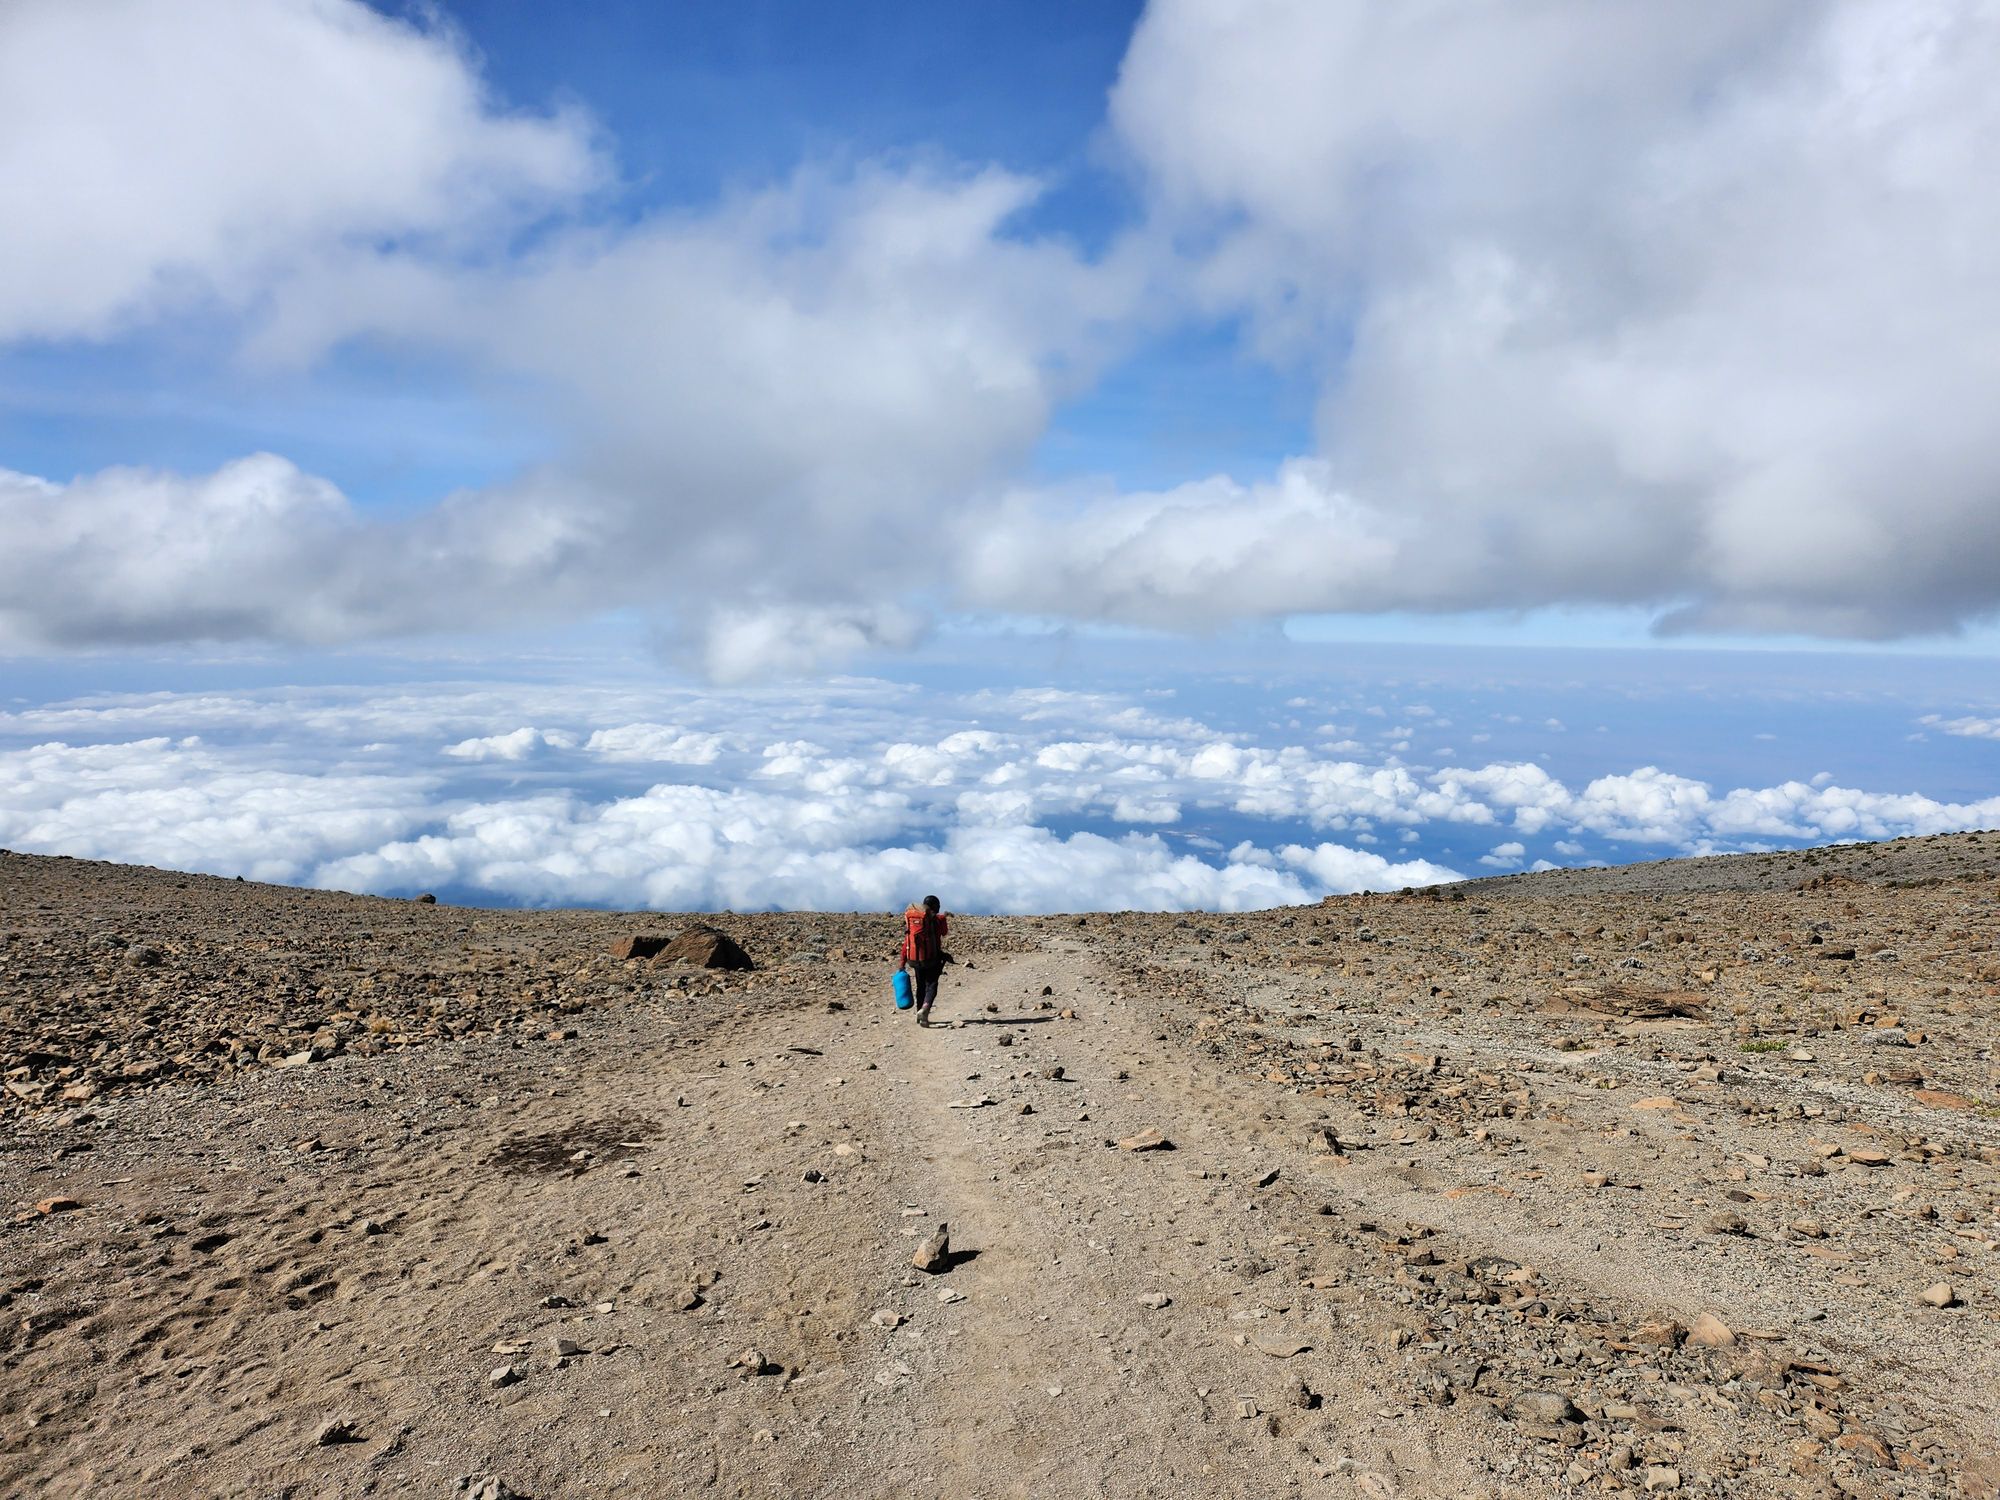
{"type": "Point", "coordinates": [923, 954]}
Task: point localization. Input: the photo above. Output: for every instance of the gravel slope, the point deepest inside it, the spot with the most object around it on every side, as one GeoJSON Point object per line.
{"type": "Point", "coordinates": [1545, 1185]}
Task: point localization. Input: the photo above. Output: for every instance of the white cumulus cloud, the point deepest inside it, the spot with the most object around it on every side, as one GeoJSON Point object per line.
{"type": "Point", "coordinates": [1967, 727]}
{"type": "Point", "coordinates": [162, 156]}
{"type": "Point", "coordinates": [524, 743]}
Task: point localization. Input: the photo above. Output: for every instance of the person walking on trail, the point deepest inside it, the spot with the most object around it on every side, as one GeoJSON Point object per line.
{"type": "Point", "coordinates": [923, 955]}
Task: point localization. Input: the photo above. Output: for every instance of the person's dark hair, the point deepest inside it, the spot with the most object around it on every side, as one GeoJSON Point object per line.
{"type": "Point", "coordinates": [931, 903]}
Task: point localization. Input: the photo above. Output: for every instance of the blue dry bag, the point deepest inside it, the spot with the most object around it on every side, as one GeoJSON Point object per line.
{"type": "Point", "coordinates": [901, 981]}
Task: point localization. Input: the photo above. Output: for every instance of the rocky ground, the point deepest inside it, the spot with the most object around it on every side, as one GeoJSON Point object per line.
{"type": "Point", "coordinates": [1678, 1178]}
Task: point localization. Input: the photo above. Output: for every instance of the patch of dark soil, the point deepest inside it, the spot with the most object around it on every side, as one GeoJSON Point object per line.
{"type": "Point", "coordinates": [575, 1149]}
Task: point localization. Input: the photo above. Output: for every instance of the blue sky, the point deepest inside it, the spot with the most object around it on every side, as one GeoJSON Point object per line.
{"type": "Point", "coordinates": [1613, 384]}
{"type": "Point", "coordinates": [701, 98]}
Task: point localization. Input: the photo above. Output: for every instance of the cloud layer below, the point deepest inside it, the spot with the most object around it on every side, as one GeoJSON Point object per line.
{"type": "Point", "coordinates": [848, 796]}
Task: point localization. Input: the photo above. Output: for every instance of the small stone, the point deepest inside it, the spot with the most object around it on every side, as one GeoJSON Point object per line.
{"type": "Point", "coordinates": [1543, 1406]}
{"type": "Point", "coordinates": [501, 1375]}
{"type": "Point", "coordinates": [1246, 1410]}
{"type": "Point", "coordinates": [490, 1488]}
{"type": "Point", "coordinates": [752, 1362]}
{"type": "Point", "coordinates": [1709, 1332]}
{"type": "Point", "coordinates": [1868, 1156]}
{"type": "Point", "coordinates": [1939, 1295]}
{"type": "Point", "coordinates": [934, 1254]}
{"type": "Point", "coordinates": [1148, 1139]}
{"type": "Point", "coordinates": [885, 1318]}
{"type": "Point", "coordinates": [1659, 1477]}
{"type": "Point", "coordinates": [58, 1206]}
{"type": "Point", "coordinates": [950, 1295]}
{"type": "Point", "coordinates": [338, 1430]}
{"type": "Point", "coordinates": [1155, 1300]}
{"type": "Point", "coordinates": [1280, 1345]}
{"type": "Point", "coordinates": [1268, 1178]}
{"type": "Point", "coordinates": [561, 1349]}
{"type": "Point", "coordinates": [1724, 1223]}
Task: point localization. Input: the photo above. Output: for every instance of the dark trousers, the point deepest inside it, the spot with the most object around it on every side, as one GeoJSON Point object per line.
{"type": "Point", "coordinates": [924, 982]}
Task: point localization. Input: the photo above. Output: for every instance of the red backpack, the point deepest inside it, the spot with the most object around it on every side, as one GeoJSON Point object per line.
{"type": "Point", "coordinates": [922, 942]}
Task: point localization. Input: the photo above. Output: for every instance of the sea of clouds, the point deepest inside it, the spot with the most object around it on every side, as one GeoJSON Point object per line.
{"type": "Point", "coordinates": [858, 793]}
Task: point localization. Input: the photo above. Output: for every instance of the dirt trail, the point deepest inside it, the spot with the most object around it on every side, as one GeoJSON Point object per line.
{"type": "Point", "coordinates": [1055, 1376]}
{"type": "Point", "coordinates": [370, 1245]}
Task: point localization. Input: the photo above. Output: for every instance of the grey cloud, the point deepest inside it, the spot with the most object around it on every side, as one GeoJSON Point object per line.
{"type": "Point", "coordinates": [1686, 308]}
{"type": "Point", "coordinates": [259, 550]}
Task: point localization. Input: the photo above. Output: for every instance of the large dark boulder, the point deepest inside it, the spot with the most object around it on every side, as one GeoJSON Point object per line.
{"type": "Point", "coordinates": [705, 948]}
